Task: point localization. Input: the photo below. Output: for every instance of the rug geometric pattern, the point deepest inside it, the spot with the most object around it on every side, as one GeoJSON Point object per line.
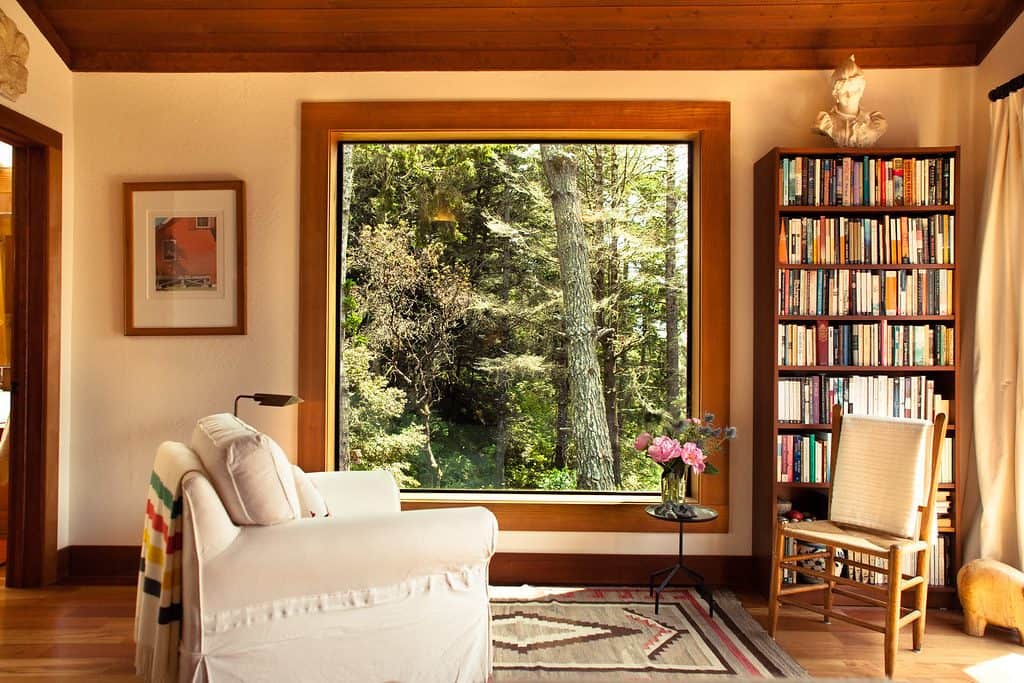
{"type": "Point", "coordinates": [614, 634]}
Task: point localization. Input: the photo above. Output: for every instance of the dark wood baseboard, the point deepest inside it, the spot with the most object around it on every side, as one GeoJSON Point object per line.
{"type": "Point", "coordinates": [99, 565]}
{"type": "Point", "coordinates": [568, 569]}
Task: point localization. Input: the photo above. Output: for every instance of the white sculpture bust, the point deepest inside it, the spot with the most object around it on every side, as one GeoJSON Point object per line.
{"type": "Point", "coordinates": [846, 123]}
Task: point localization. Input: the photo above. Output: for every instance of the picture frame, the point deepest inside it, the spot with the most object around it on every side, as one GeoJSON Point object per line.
{"type": "Point", "coordinates": [184, 265]}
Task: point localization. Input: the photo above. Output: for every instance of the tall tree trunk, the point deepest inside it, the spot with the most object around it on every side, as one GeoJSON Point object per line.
{"type": "Point", "coordinates": [501, 448]}
{"type": "Point", "coordinates": [342, 436]}
{"type": "Point", "coordinates": [605, 284]}
{"type": "Point", "coordinates": [671, 286]}
{"type": "Point", "coordinates": [589, 427]}
{"type": "Point", "coordinates": [609, 364]}
{"type": "Point", "coordinates": [562, 414]}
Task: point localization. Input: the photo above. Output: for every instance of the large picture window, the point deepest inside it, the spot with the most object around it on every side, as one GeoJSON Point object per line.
{"type": "Point", "coordinates": [510, 315]}
{"type": "Point", "coordinates": [453, 217]}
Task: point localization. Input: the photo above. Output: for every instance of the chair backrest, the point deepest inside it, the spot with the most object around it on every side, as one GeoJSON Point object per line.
{"type": "Point", "coordinates": [884, 473]}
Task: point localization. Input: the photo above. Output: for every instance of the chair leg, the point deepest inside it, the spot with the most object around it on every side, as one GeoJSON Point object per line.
{"type": "Point", "coordinates": [921, 599]}
{"type": "Point", "coordinates": [773, 602]}
{"type": "Point", "coordinates": [830, 568]}
{"type": "Point", "coordinates": [892, 612]}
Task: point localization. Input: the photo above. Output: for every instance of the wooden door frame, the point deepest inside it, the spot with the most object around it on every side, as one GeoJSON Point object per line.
{"type": "Point", "coordinates": [35, 351]}
{"type": "Point", "coordinates": [324, 124]}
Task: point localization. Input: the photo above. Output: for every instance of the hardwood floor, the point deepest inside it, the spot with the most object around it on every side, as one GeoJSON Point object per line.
{"type": "Point", "coordinates": [839, 650]}
{"type": "Point", "coordinates": [84, 633]}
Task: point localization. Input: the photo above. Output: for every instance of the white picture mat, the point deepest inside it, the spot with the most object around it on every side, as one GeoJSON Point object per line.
{"type": "Point", "coordinates": [152, 308]}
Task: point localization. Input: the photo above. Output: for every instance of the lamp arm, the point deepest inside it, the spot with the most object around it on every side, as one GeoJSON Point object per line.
{"type": "Point", "coordinates": [236, 402]}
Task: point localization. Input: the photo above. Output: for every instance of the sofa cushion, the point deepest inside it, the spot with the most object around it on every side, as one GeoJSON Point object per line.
{"type": "Point", "coordinates": [248, 469]}
{"type": "Point", "coordinates": [311, 502]}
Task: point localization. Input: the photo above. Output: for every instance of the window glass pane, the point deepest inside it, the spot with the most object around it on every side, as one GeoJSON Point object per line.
{"type": "Point", "coordinates": [512, 314]}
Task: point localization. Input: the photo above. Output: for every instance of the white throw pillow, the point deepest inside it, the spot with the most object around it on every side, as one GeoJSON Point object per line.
{"type": "Point", "coordinates": [311, 502]}
{"type": "Point", "coordinates": [248, 469]}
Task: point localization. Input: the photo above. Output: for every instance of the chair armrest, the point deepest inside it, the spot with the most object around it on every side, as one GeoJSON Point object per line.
{"type": "Point", "coordinates": [331, 555]}
{"type": "Point", "coordinates": [348, 494]}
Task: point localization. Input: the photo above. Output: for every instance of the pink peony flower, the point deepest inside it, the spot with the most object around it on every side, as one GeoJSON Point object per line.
{"type": "Point", "coordinates": [663, 449]}
{"type": "Point", "coordinates": [692, 455]}
{"type": "Point", "coordinates": [643, 440]}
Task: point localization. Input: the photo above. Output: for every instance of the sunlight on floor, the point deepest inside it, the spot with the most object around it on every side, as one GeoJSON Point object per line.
{"type": "Point", "coordinates": [999, 670]}
{"type": "Point", "coordinates": [528, 592]}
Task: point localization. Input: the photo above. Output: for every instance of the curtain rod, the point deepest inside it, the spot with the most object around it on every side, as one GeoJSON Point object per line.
{"type": "Point", "coordinates": [1005, 89]}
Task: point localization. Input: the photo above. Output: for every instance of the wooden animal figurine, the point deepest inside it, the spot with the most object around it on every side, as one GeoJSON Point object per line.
{"type": "Point", "coordinates": [991, 593]}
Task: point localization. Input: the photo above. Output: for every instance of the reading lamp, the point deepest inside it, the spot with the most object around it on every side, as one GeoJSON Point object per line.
{"type": "Point", "coordinates": [274, 400]}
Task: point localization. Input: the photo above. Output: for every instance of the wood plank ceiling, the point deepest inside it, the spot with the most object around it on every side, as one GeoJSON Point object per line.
{"type": "Point", "coordinates": [404, 35]}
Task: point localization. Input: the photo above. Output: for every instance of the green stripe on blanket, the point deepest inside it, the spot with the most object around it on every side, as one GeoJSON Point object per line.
{"type": "Point", "coordinates": [165, 495]}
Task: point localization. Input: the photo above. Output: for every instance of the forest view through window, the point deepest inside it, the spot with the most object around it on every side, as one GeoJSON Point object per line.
{"type": "Point", "coordinates": [511, 314]}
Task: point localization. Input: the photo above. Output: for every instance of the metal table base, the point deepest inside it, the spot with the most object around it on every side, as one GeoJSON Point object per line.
{"type": "Point", "coordinates": [671, 571]}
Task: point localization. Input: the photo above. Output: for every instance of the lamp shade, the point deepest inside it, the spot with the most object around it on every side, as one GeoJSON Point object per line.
{"type": "Point", "coordinates": [273, 400]}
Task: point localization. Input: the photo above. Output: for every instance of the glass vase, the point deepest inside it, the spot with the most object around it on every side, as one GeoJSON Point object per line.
{"type": "Point", "coordinates": [673, 483]}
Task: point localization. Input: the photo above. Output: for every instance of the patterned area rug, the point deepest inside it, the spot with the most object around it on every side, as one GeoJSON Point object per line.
{"type": "Point", "coordinates": [563, 634]}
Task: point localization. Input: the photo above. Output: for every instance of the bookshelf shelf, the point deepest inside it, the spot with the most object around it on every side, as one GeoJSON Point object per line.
{"type": "Point", "coordinates": [809, 427]}
{"type": "Point", "coordinates": [789, 232]}
{"type": "Point", "coordinates": [868, 266]}
{"type": "Point", "coordinates": [828, 210]}
{"type": "Point", "coordinates": [801, 485]}
{"type": "Point", "coordinates": [868, 318]}
{"type": "Point", "coordinates": [873, 369]}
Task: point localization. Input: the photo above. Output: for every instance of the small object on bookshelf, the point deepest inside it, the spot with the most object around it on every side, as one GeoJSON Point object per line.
{"type": "Point", "coordinates": [857, 294]}
{"type": "Point", "coordinates": [846, 123]}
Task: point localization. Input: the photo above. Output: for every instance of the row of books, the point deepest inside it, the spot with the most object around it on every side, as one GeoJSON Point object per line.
{"type": "Point", "coordinates": [806, 459]}
{"type": "Point", "coordinates": [853, 181]}
{"type": "Point", "coordinates": [938, 575]}
{"type": "Point", "coordinates": [865, 292]}
{"type": "Point", "coordinates": [944, 508]}
{"type": "Point", "coordinates": [809, 400]}
{"type": "Point", "coordinates": [854, 240]}
{"type": "Point", "coordinates": [865, 344]}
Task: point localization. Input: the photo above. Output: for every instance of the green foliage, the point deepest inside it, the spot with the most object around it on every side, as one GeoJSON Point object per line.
{"type": "Point", "coordinates": [380, 437]}
{"type": "Point", "coordinates": [453, 322]}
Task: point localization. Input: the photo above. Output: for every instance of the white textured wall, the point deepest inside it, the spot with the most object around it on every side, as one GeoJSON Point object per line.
{"type": "Point", "coordinates": [128, 394]}
{"type": "Point", "coordinates": [49, 101]}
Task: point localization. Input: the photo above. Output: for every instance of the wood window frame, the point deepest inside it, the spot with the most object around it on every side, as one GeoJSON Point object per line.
{"type": "Point", "coordinates": [325, 124]}
{"type": "Point", "coordinates": [35, 352]}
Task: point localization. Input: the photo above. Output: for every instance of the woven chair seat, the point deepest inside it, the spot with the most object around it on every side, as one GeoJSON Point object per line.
{"type": "Point", "coordinates": [831, 533]}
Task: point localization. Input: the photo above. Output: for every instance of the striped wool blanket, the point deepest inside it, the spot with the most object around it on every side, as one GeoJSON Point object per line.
{"type": "Point", "coordinates": [158, 599]}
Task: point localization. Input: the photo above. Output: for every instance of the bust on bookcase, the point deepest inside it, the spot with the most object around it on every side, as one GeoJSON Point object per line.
{"type": "Point", "coordinates": [857, 286]}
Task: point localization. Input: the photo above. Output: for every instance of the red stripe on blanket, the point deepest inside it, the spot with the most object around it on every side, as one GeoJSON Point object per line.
{"type": "Point", "coordinates": [172, 544]}
{"type": "Point", "coordinates": [156, 520]}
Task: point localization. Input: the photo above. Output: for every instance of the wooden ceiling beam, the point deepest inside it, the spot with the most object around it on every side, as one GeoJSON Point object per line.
{"type": "Point", "coordinates": [451, 35]}
{"type": "Point", "coordinates": [149, 25]}
{"type": "Point", "coordinates": [42, 22]}
{"type": "Point", "coordinates": [998, 27]}
{"type": "Point", "coordinates": [521, 60]}
{"type": "Point", "coordinates": [466, 41]}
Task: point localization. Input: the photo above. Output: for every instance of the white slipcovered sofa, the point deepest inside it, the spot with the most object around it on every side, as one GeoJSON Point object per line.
{"type": "Point", "coordinates": [366, 593]}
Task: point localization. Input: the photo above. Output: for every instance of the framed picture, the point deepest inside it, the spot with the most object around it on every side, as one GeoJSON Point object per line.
{"type": "Point", "coordinates": [184, 258]}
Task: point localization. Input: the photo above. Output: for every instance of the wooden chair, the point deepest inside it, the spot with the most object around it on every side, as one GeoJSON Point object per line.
{"type": "Point", "coordinates": [885, 474]}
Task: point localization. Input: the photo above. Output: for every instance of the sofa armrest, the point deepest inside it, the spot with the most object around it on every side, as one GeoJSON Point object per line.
{"type": "Point", "coordinates": [332, 555]}
{"type": "Point", "coordinates": [213, 530]}
{"type": "Point", "coordinates": [349, 494]}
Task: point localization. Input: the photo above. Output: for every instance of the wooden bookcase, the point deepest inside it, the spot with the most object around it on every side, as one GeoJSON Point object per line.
{"type": "Point", "coordinates": [769, 215]}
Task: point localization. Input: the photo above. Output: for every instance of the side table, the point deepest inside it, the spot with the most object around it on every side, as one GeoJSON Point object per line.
{"type": "Point", "coordinates": [699, 513]}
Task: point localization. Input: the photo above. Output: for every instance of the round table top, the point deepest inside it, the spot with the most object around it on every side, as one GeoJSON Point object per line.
{"type": "Point", "coordinates": [700, 513]}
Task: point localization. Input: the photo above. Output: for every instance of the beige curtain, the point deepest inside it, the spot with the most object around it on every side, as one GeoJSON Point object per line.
{"type": "Point", "coordinates": [998, 533]}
